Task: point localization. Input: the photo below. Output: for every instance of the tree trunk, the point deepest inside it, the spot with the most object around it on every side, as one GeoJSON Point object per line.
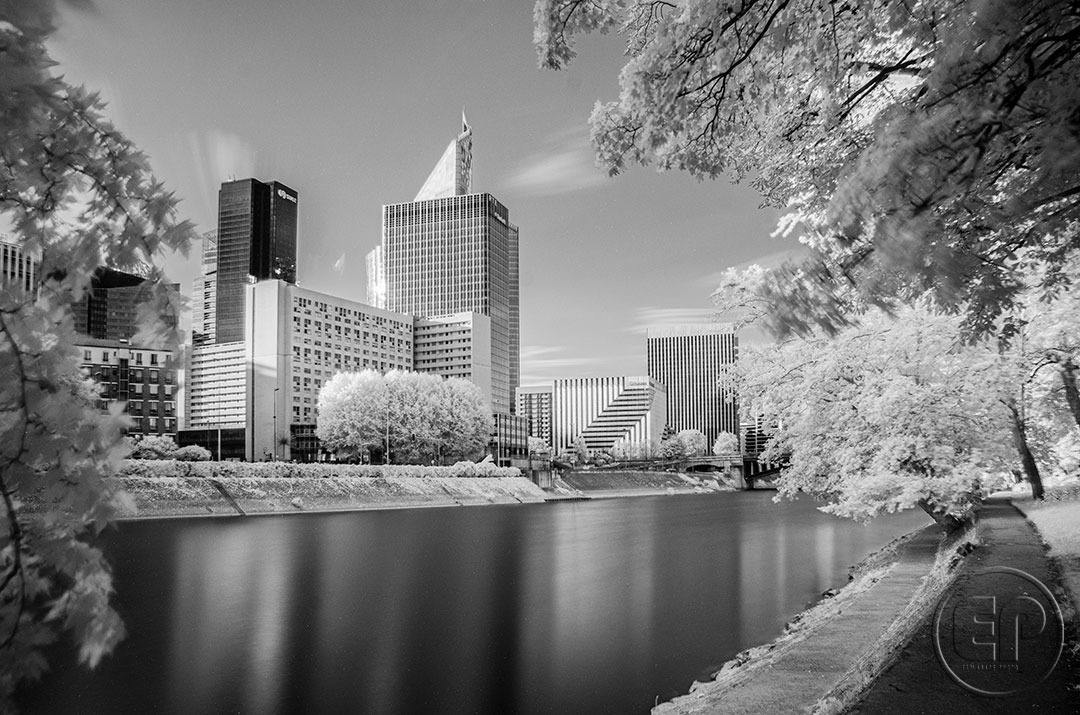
{"type": "Point", "coordinates": [1072, 393]}
{"type": "Point", "coordinates": [948, 522]}
{"type": "Point", "coordinates": [1031, 469]}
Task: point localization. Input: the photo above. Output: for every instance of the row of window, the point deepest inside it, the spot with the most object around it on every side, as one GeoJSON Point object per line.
{"type": "Point", "coordinates": [88, 356]}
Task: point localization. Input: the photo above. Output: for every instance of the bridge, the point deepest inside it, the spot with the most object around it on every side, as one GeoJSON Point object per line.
{"type": "Point", "coordinates": [740, 471]}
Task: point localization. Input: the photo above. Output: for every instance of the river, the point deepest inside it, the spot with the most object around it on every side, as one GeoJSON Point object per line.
{"type": "Point", "coordinates": [602, 606]}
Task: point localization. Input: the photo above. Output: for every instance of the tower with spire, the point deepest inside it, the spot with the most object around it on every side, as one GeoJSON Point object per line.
{"type": "Point", "coordinates": [451, 251]}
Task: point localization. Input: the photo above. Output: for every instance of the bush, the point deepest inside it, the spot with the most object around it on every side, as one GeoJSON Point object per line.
{"type": "Point", "coordinates": [154, 447]}
{"type": "Point", "coordinates": [323, 470]}
{"type": "Point", "coordinates": [192, 453]}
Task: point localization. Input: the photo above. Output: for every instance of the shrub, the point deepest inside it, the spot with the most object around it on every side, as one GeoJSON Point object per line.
{"type": "Point", "coordinates": [192, 453]}
{"type": "Point", "coordinates": [323, 470]}
{"type": "Point", "coordinates": [154, 447]}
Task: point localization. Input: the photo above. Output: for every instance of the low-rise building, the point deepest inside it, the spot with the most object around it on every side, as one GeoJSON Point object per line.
{"type": "Point", "coordinates": [143, 378]}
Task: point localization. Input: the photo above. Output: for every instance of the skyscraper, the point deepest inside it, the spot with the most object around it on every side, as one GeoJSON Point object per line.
{"type": "Point", "coordinates": [450, 251]}
{"type": "Point", "coordinates": [256, 241]}
{"type": "Point", "coordinates": [204, 293]}
{"type": "Point", "coordinates": [688, 360]}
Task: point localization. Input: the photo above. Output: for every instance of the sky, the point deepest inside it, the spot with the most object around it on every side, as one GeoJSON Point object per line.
{"type": "Point", "coordinates": [352, 103]}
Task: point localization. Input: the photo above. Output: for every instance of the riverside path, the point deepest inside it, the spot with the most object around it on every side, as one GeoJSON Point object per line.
{"type": "Point", "coordinates": [918, 683]}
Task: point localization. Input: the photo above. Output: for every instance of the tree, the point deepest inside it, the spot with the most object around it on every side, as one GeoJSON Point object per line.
{"type": "Point", "coordinates": [671, 448]}
{"type": "Point", "coordinates": [580, 450]}
{"type": "Point", "coordinates": [154, 447]}
{"type": "Point", "coordinates": [412, 417]}
{"type": "Point", "coordinates": [726, 444]}
{"type": "Point", "coordinates": [928, 145]}
{"type": "Point", "coordinates": [538, 446]}
{"type": "Point", "coordinates": [890, 415]}
{"type": "Point", "coordinates": [76, 194]}
{"type": "Point", "coordinates": [354, 412]}
{"type": "Point", "coordinates": [695, 444]}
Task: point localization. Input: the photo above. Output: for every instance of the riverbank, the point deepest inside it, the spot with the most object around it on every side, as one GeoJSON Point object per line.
{"type": "Point", "coordinates": [867, 643]}
{"type": "Point", "coordinates": [838, 645]}
{"type": "Point", "coordinates": [606, 484]}
{"type": "Point", "coordinates": [155, 497]}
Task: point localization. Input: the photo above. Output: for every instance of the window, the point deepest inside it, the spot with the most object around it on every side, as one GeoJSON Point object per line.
{"type": "Point", "coordinates": [153, 376]}
{"type": "Point", "coordinates": [138, 358]}
{"type": "Point", "coordinates": [104, 356]}
{"type": "Point", "coordinates": [86, 356]}
{"type": "Point", "coordinates": [153, 358]}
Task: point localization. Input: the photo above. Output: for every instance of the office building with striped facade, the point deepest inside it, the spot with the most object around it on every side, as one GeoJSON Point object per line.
{"type": "Point", "coordinates": [534, 404]}
{"type": "Point", "coordinates": [688, 360]}
{"type": "Point", "coordinates": [606, 410]}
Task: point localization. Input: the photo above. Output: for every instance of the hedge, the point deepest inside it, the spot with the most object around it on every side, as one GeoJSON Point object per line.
{"type": "Point", "coordinates": [285, 470]}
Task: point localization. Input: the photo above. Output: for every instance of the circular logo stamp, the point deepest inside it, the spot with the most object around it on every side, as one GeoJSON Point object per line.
{"type": "Point", "coordinates": [998, 632]}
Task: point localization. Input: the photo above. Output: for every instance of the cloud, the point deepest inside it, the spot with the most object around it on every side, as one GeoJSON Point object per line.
{"type": "Point", "coordinates": [219, 156]}
{"type": "Point", "coordinates": [540, 364]}
{"type": "Point", "coordinates": [650, 317]}
{"type": "Point", "coordinates": [566, 164]}
{"type": "Point", "coordinates": [339, 264]}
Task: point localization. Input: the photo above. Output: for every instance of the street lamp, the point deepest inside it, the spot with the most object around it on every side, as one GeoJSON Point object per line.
{"type": "Point", "coordinates": [275, 422]}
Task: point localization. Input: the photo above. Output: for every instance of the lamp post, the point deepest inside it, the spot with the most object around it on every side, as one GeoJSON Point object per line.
{"type": "Point", "coordinates": [219, 429]}
{"type": "Point", "coordinates": [275, 422]}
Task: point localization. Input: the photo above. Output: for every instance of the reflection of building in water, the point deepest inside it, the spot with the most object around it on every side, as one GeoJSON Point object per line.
{"type": "Point", "coordinates": [229, 647]}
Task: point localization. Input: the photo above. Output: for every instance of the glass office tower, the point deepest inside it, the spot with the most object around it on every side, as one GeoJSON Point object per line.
{"type": "Point", "coordinates": [449, 251]}
{"type": "Point", "coordinates": [256, 241]}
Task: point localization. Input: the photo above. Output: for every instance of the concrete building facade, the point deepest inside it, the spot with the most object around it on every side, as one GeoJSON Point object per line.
{"type": "Point", "coordinates": [215, 390]}
{"type": "Point", "coordinates": [688, 360]}
{"type": "Point", "coordinates": [204, 294]}
{"type": "Point", "coordinates": [144, 379]}
{"type": "Point", "coordinates": [606, 410]}
{"type": "Point", "coordinates": [534, 404]}
{"type": "Point", "coordinates": [297, 339]}
{"type": "Point", "coordinates": [16, 266]}
{"type": "Point", "coordinates": [455, 346]}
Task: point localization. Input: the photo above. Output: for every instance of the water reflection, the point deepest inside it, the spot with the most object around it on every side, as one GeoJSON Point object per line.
{"type": "Point", "coordinates": [560, 608]}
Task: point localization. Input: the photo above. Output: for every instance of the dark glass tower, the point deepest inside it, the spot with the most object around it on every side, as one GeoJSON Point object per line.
{"type": "Point", "coordinates": [256, 241]}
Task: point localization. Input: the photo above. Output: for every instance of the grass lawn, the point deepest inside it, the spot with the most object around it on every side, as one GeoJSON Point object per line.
{"type": "Point", "coordinates": [1057, 518]}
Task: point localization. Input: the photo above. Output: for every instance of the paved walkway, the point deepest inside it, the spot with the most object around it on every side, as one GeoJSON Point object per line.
{"type": "Point", "coordinates": [808, 670]}
{"type": "Point", "coordinates": [917, 683]}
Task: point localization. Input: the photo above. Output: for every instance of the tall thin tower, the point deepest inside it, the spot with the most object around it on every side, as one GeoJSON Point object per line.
{"type": "Point", "coordinates": [450, 251]}
{"type": "Point", "coordinates": [256, 240]}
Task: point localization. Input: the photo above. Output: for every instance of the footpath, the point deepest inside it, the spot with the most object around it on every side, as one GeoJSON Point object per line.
{"type": "Point", "coordinates": [917, 683]}
{"type": "Point", "coordinates": [814, 672]}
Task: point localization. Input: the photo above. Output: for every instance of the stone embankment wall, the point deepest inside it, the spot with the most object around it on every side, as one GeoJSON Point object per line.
{"type": "Point", "coordinates": [199, 496]}
{"type": "Point", "coordinates": [603, 482]}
